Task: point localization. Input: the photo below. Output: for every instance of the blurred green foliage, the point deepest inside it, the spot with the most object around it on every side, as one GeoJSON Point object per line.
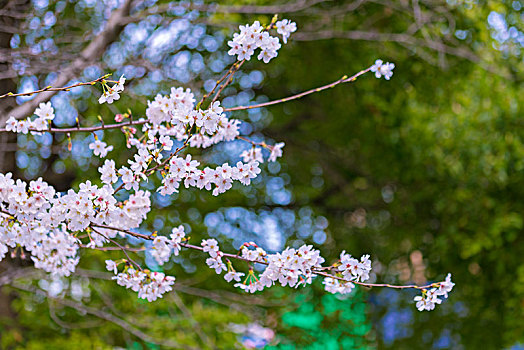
{"type": "Point", "coordinates": [431, 161]}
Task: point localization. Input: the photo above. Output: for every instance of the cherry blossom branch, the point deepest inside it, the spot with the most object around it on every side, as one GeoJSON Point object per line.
{"type": "Point", "coordinates": [95, 209]}
{"type": "Point", "coordinates": [239, 63]}
{"type": "Point", "coordinates": [163, 164]}
{"type": "Point", "coordinates": [370, 285]}
{"type": "Point", "coordinates": [239, 257]}
{"type": "Point", "coordinates": [50, 88]}
{"type": "Point", "coordinates": [234, 68]}
{"type": "Point", "coordinates": [342, 80]}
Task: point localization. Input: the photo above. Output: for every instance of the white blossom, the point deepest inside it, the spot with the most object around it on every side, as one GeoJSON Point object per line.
{"type": "Point", "coordinates": [111, 266]}
{"type": "Point", "coordinates": [233, 275]}
{"type": "Point", "coordinates": [383, 69]}
{"type": "Point", "coordinates": [45, 111]}
{"type": "Point", "coordinates": [276, 152]}
{"type": "Point", "coordinates": [11, 124]}
{"type": "Point", "coordinates": [285, 27]}
{"type": "Point", "coordinates": [100, 148]}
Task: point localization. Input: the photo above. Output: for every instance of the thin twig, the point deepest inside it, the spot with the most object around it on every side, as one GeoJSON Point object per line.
{"type": "Point", "coordinates": [218, 82]}
{"type": "Point", "coordinates": [50, 88]}
{"type": "Point", "coordinates": [90, 128]}
{"type": "Point", "coordinates": [105, 249]}
{"type": "Point", "coordinates": [120, 246]}
{"type": "Point", "coordinates": [235, 67]}
{"type": "Point", "coordinates": [342, 80]}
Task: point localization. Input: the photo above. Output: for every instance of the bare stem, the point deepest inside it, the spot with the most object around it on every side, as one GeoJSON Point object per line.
{"type": "Point", "coordinates": [119, 246]}
{"type": "Point", "coordinates": [342, 80]}
{"type": "Point", "coordinates": [219, 81]}
{"type": "Point", "coordinates": [89, 128]}
{"type": "Point", "coordinates": [236, 67]}
{"type": "Point", "coordinates": [50, 88]}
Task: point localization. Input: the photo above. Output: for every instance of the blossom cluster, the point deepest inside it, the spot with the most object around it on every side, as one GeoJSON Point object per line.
{"type": "Point", "coordinates": [45, 114]}
{"type": "Point", "coordinates": [255, 153]}
{"type": "Point", "coordinates": [291, 267]}
{"type": "Point", "coordinates": [54, 251]}
{"type": "Point", "coordinates": [214, 261]}
{"type": "Point", "coordinates": [429, 298]}
{"type": "Point", "coordinates": [163, 247]}
{"type": "Point", "coordinates": [350, 269]}
{"type": "Point", "coordinates": [41, 220]}
{"type": "Point", "coordinates": [149, 285]}
{"type": "Point", "coordinates": [254, 36]}
{"type": "Point", "coordinates": [209, 126]}
{"type": "Point", "coordinates": [112, 93]}
{"type": "Point", "coordinates": [219, 179]}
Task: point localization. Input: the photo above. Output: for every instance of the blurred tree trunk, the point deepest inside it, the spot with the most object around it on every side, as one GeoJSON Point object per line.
{"type": "Point", "coordinates": [8, 141]}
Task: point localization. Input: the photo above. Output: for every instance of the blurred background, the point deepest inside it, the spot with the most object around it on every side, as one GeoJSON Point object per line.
{"type": "Point", "coordinates": [424, 172]}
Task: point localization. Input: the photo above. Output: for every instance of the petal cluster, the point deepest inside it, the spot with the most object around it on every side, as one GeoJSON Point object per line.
{"type": "Point", "coordinates": [430, 297]}
{"type": "Point", "coordinates": [383, 69]}
{"type": "Point", "coordinates": [45, 114]}
{"type": "Point", "coordinates": [255, 36]}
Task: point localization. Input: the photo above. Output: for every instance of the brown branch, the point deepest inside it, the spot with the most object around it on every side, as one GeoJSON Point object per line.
{"type": "Point", "coordinates": [89, 128]}
{"type": "Point", "coordinates": [342, 80]}
{"type": "Point", "coordinates": [218, 82]}
{"type": "Point", "coordinates": [119, 246]}
{"type": "Point", "coordinates": [106, 249]}
{"type": "Point", "coordinates": [236, 66]}
{"type": "Point", "coordinates": [13, 14]}
{"type": "Point", "coordinates": [286, 7]}
{"type": "Point", "coordinates": [50, 88]}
